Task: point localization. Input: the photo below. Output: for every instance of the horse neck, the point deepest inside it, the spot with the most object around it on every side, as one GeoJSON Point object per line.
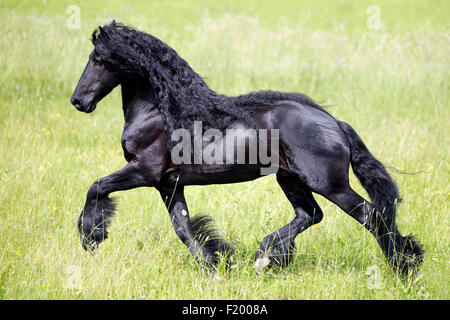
{"type": "Point", "coordinates": [137, 98]}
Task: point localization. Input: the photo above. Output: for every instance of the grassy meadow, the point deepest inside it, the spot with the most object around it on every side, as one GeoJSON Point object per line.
{"type": "Point", "coordinates": [382, 66]}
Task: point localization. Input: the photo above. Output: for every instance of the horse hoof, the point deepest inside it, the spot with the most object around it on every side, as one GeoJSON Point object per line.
{"type": "Point", "coordinates": [261, 264]}
{"type": "Point", "coordinates": [89, 245]}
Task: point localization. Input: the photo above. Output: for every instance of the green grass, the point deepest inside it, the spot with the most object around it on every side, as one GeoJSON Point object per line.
{"type": "Point", "coordinates": [391, 85]}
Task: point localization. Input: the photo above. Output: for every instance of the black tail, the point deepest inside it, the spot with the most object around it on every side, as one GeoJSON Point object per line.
{"type": "Point", "coordinates": [406, 251]}
{"type": "Point", "coordinates": [209, 238]}
{"type": "Point", "coordinates": [372, 174]}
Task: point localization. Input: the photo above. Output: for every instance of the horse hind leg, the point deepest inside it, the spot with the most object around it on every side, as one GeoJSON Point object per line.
{"type": "Point", "coordinates": [278, 248]}
{"type": "Point", "coordinates": [401, 252]}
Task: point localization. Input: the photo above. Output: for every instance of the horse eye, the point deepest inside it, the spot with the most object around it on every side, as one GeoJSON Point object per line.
{"type": "Point", "coordinates": [97, 62]}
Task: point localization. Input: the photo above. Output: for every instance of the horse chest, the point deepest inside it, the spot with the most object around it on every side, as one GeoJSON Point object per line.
{"type": "Point", "coordinates": [131, 141]}
{"type": "Point", "coordinates": [140, 135]}
{"type": "Point", "coordinates": [128, 146]}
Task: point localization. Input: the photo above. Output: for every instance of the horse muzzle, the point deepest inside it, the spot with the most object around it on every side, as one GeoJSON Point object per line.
{"type": "Point", "coordinates": [83, 107]}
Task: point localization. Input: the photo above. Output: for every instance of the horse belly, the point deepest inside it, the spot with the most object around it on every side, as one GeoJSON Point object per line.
{"type": "Point", "coordinates": [217, 174]}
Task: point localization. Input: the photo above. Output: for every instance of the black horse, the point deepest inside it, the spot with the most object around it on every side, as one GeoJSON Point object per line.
{"type": "Point", "coordinates": [161, 93]}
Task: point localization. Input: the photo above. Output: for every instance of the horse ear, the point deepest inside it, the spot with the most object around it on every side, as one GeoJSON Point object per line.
{"type": "Point", "coordinates": [104, 32]}
{"type": "Point", "coordinates": [95, 36]}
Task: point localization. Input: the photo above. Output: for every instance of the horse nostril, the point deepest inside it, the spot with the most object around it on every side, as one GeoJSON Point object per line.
{"type": "Point", "coordinates": [76, 103]}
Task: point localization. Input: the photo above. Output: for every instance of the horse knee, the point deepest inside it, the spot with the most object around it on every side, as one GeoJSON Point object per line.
{"type": "Point", "coordinates": [317, 215]}
{"type": "Point", "coordinates": [309, 216]}
{"type": "Point", "coordinates": [95, 191]}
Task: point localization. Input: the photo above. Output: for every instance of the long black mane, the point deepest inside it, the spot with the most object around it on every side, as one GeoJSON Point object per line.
{"type": "Point", "coordinates": [182, 95]}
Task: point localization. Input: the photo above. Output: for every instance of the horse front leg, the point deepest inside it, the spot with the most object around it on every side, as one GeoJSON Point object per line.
{"type": "Point", "coordinates": [99, 208]}
{"type": "Point", "coordinates": [194, 233]}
